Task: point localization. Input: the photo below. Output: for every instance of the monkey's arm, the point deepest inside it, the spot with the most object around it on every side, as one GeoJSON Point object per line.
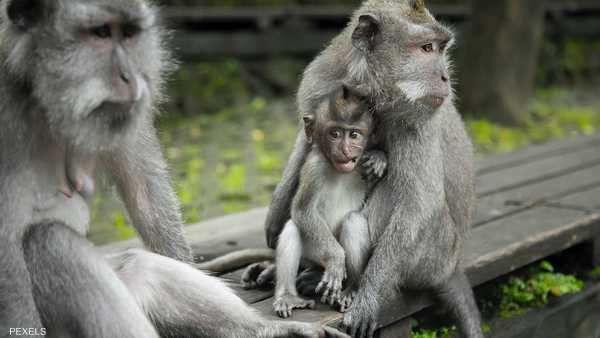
{"type": "Point", "coordinates": [280, 209]}
{"type": "Point", "coordinates": [142, 178]}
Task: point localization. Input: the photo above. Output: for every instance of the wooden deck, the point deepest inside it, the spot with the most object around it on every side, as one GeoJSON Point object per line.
{"type": "Point", "coordinates": [531, 203]}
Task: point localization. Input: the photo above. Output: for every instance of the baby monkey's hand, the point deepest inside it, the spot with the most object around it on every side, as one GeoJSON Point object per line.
{"type": "Point", "coordinates": [373, 165]}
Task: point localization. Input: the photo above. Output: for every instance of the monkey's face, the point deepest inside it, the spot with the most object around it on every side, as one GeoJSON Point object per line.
{"type": "Point", "coordinates": [94, 67]}
{"type": "Point", "coordinates": [341, 128]}
{"type": "Point", "coordinates": [343, 145]}
{"type": "Point", "coordinates": [405, 48]}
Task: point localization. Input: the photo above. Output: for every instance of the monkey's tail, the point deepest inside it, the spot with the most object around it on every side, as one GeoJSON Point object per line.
{"type": "Point", "coordinates": [236, 260]}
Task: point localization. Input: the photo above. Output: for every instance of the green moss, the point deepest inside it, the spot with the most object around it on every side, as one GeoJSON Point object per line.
{"type": "Point", "coordinates": [552, 116]}
{"type": "Point", "coordinates": [518, 293]}
{"type": "Point", "coordinates": [595, 273]}
{"type": "Point", "coordinates": [443, 332]}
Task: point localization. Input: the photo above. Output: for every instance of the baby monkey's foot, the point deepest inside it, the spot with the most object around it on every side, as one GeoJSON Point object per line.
{"type": "Point", "coordinates": [284, 305]}
{"type": "Point", "coordinates": [345, 300]}
{"type": "Point", "coordinates": [330, 286]}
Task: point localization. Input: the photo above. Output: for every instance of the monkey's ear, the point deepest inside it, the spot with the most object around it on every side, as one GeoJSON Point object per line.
{"type": "Point", "coordinates": [365, 33]}
{"type": "Point", "coordinates": [309, 126]}
{"type": "Point", "coordinates": [25, 13]}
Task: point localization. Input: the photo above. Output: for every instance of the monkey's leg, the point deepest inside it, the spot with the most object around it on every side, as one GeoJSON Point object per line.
{"type": "Point", "coordinates": [457, 295]}
{"type": "Point", "coordinates": [75, 290]}
{"type": "Point", "coordinates": [289, 254]}
{"type": "Point", "coordinates": [354, 238]}
{"type": "Point", "coordinates": [185, 302]}
{"type": "Point", "coordinates": [17, 307]}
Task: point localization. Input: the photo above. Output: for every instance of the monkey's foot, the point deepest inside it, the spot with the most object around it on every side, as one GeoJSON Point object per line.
{"type": "Point", "coordinates": [258, 275]}
{"type": "Point", "coordinates": [345, 301]}
{"type": "Point", "coordinates": [285, 304]}
{"type": "Point", "coordinates": [361, 320]}
{"type": "Point", "coordinates": [331, 284]}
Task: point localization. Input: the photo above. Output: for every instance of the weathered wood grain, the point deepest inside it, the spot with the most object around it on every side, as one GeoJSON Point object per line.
{"type": "Point", "coordinates": [555, 148]}
{"type": "Point", "coordinates": [496, 206]}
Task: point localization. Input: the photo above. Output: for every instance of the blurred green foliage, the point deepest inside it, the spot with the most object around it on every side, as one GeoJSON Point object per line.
{"type": "Point", "coordinates": [518, 293]}
{"type": "Point", "coordinates": [443, 332]}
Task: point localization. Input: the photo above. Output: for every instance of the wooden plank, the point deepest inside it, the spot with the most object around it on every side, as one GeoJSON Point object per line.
{"type": "Point", "coordinates": [536, 152]}
{"type": "Point", "coordinates": [492, 207]}
{"type": "Point", "coordinates": [532, 172]}
{"type": "Point", "coordinates": [588, 200]}
{"type": "Point", "coordinates": [250, 44]}
{"type": "Point", "coordinates": [216, 236]}
{"type": "Point", "coordinates": [510, 243]}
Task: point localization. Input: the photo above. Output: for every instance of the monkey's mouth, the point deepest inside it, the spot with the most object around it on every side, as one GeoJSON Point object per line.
{"type": "Point", "coordinates": [346, 167]}
{"type": "Point", "coordinates": [433, 101]}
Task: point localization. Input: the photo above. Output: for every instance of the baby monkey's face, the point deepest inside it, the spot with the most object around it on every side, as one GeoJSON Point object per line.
{"type": "Point", "coordinates": [343, 144]}
{"type": "Point", "coordinates": [340, 129]}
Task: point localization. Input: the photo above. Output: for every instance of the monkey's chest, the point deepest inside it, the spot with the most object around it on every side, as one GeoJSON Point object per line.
{"type": "Point", "coordinates": [55, 199]}
{"type": "Point", "coordinates": [340, 196]}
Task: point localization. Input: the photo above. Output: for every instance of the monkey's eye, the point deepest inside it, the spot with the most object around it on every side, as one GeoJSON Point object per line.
{"type": "Point", "coordinates": [355, 135]}
{"type": "Point", "coordinates": [102, 32]}
{"type": "Point", "coordinates": [130, 30]}
{"type": "Point", "coordinates": [427, 48]}
{"type": "Point", "coordinates": [335, 134]}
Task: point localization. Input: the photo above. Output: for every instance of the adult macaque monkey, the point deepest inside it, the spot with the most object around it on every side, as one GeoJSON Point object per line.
{"type": "Point", "coordinates": [327, 226]}
{"type": "Point", "coordinates": [79, 80]}
{"type": "Point", "coordinates": [395, 53]}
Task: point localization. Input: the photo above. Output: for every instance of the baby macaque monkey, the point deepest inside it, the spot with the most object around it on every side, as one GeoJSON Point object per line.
{"type": "Point", "coordinates": [326, 226]}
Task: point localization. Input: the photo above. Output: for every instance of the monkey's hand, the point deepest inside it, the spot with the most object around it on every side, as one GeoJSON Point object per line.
{"type": "Point", "coordinates": [361, 320]}
{"type": "Point", "coordinates": [258, 275]}
{"type": "Point", "coordinates": [285, 304]}
{"type": "Point", "coordinates": [346, 299]}
{"type": "Point", "coordinates": [331, 283]}
{"type": "Point", "coordinates": [373, 165]}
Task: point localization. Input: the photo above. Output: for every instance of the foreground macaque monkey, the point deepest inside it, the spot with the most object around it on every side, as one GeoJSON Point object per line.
{"type": "Point", "coordinates": [327, 226]}
{"type": "Point", "coordinates": [394, 53]}
{"type": "Point", "coordinates": [79, 81]}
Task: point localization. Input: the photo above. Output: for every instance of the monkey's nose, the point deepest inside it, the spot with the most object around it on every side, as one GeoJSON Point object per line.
{"type": "Point", "coordinates": [444, 78]}
{"type": "Point", "coordinates": [125, 78]}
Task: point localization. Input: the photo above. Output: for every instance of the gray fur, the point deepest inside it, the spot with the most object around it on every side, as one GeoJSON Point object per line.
{"type": "Point", "coordinates": [73, 103]}
{"type": "Point", "coordinates": [324, 218]}
{"type": "Point", "coordinates": [419, 214]}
